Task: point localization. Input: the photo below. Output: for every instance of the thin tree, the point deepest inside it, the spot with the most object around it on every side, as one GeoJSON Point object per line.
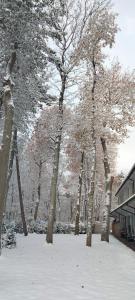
{"type": "Point", "coordinates": [40, 165]}
{"type": "Point", "coordinates": [20, 187]}
{"type": "Point", "coordinates": [77, 217]}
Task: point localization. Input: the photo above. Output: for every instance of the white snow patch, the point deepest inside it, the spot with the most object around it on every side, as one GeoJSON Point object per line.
{"type": "Point", "coordinates": [68, 270]}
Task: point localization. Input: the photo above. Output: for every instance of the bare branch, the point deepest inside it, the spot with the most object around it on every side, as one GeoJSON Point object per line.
{"type": "Point", "coordinates": [52, 139]}
{"type": "Point", "coordinates": [43, 161]}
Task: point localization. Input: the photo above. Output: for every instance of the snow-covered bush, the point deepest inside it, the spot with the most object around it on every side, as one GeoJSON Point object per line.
{"type": "Point", "coordinates": [64, 228]}
{"type": "Point", "coordinates": [9, 240]}
{"type": "Point", "coordinates": [18, 228]}
{"type": "Point", "coordinates": [40, 227]}
{"type": "Point", "coordinates": [59, 228]}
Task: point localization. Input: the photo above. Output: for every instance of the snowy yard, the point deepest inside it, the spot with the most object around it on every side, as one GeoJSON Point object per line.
{"type": "Point", "coordinates": [67, 270]}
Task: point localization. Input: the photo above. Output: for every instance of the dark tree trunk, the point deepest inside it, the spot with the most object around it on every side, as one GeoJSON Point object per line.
{"type": "Point", "coordinates": [77, 217]}
{"type": "Point", "coordinates": [20, 188]}
{"type": "Point", "coordinates": [38, 191]}
{"type": "Point", "coordinates": [90, 211]}
{"type": "Point", "coordinates": [59, 205]}
{"type": "Point", "coordinates": [85, 198]}
{"type": "Point", "coordinates": [71, 209]}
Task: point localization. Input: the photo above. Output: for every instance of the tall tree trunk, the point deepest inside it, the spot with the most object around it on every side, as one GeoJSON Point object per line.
{"type": "Point", "coordinates": [10, 168]}
{"type": "Point", "coordinates": [53, 191]}
{"type": "Point", "coordinates": [93, 165]}
{"type": "Point", "coordinates": [108, 195]}
{"type": "Point", "coordinates": [71, 209]}
{"type": "Point", "coordinates": [59, 206]}
{"type": "Point", "coordinates": [20, 188]}
{"type": "Point", "coordinates": [33, 196]}
{"type": "Point", "coordinates": [54, 179]}
{"type": "Point", "coordinates": [39, 191]}
{"type": "Point", "coordinates": [85, 198]}
{"type": "Point", "coordinates": [12, 153]}
{"type": "Point", "coordinates": [77, 217]}
{"type": "Point", "coordinates": [90, 204]}
{"type": "Point", "coordinates": [1, 102]}
{"type": "Point", "coordinates": [7, 136]}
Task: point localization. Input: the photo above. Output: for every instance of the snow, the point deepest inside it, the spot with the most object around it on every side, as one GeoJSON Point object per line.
{"type": "Point", "coordinates": [67, 270]}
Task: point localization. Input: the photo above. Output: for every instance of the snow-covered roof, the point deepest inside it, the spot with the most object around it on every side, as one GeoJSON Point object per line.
{"type": "Point", "coordinates": [126, 178]}
{"type": "Point", "coordinates": [127, 207]}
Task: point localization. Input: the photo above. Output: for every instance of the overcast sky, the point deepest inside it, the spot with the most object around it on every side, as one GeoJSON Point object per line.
{"type": "Point", "coordinates": [125, 51]}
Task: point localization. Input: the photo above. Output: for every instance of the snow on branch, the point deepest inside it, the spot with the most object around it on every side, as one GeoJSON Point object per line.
{"type": "Point", "coordinates": [10, 68]}
{"type": "Point", "coordinates": [53, 58]}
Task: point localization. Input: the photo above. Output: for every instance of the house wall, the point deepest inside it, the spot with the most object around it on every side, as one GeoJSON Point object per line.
{"type": "Point", "coordinates": [116, 229]}
{"type": "Point", "coordinates": [124, 225]}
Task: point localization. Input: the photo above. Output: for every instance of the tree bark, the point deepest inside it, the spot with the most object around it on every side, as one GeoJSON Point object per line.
{"type": "Point", "coordinates": [77, 217]}
{"type": "Point", "coordinates": [10, 168]}
{"type": "Point", "coordinates": [54, 179]}
{"type": "Point", "coordinates": [59, 205]}
{"type": "Point", "coordinates": [25, 231]}
{"type": "Point", "coordinates": [39, 191]}
{"type": "Point", "coordinates": [71, 209]}
{"type": "Point", "coordinates": [93, 166]}
{"type": "Point", "coordinates": [108, 195]}
{"type": "Point", "coordinates": [12, 154]}
{"type": "Point", "coordinates": [85, 198]}
{"type": "Point", "coordinates": [7, 135]}
{"type": "Point", "coordinates": [90, 208]}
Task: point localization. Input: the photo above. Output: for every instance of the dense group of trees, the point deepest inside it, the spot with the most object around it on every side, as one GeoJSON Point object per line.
{"type": "Point", "coordinates": [62, 112]}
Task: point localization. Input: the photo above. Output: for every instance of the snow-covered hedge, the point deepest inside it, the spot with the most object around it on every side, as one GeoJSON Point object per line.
{"type": "Point", "coordinates": [40, 227]}
{"type": "Point", "coordinates": [9, 236]}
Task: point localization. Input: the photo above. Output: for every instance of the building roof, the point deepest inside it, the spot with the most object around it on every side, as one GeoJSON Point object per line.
{"type": "Point", "coordinates": [127, 207]}
{"type": "Point", "coordinates": [126, 178]}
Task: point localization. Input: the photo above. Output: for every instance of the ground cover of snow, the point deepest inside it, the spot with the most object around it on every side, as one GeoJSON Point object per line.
{"type": "Point", "coordinates": [67, 270]}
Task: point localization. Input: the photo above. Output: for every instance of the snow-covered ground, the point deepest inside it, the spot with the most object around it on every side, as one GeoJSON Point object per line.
{"type": "Point", "coordinates": [67, 270]}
